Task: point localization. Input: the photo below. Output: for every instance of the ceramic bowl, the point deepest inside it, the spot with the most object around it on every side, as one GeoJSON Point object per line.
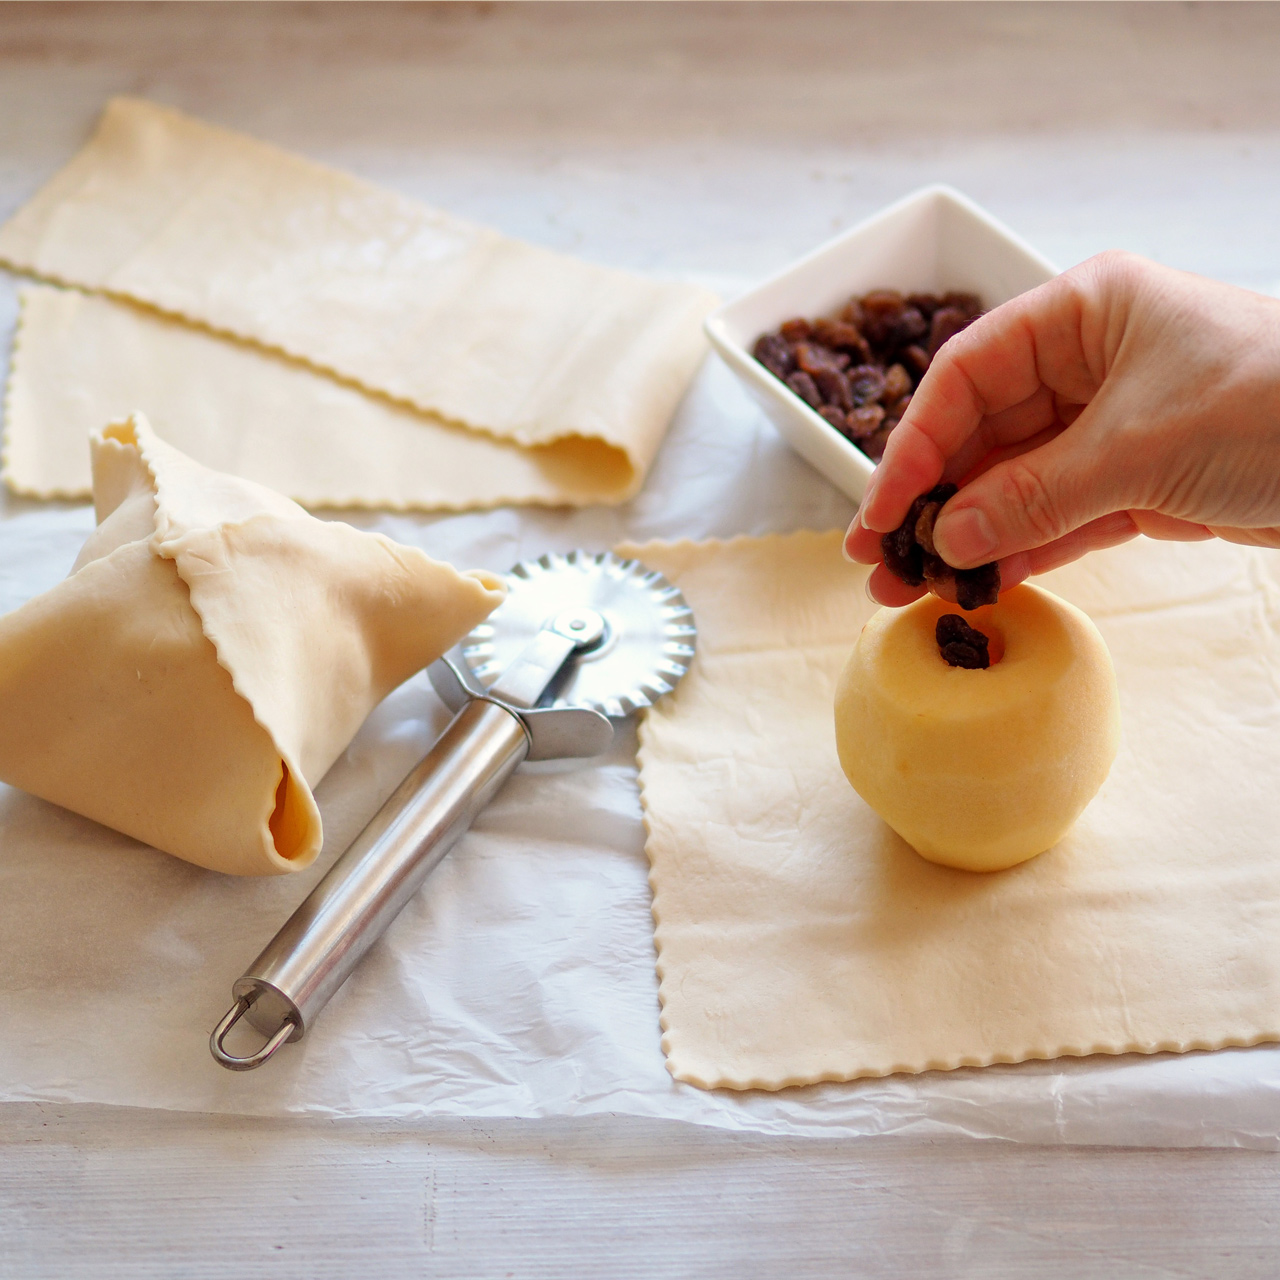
{"type": "Point", "coordinates": [934, 240]}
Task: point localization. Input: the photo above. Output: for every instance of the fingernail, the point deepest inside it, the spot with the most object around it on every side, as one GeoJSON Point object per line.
{"type": "Point", "coordinates": [866, 586]}
{"type": "Point", "coordinates": [965, 537]}
{"type": "Point", "coordinates": [844, 543]}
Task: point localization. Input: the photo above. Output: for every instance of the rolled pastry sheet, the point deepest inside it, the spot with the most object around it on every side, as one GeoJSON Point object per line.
{"type": "Point", "coordinates": [82, 359]}
{"type": "Point", "coordinates": [466, 327]}
{"type": "Point", "coordinates": [210, 655]}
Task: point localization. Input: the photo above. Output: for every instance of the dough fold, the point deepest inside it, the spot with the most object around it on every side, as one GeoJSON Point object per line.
{"type": "Point", "coordinates": [212, 652]}
{"type": "Point", "coordinates": [454, 327]}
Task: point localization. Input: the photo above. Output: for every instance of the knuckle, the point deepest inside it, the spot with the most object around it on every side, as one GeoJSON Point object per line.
{"type": "Point", "coordinates": [1116, 267]}
{"type": "Point", "coordinates": [1037, 509]}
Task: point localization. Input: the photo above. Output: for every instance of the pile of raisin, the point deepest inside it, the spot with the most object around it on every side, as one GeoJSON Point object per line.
{"type": "Point", "coordinates": [860, 370]}
{"type": "Point", "coordinates": [962, 645]}
{"type": "Point", "coordinates": [909, 554]}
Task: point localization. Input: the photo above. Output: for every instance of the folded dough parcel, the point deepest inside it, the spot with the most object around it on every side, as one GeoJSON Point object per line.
{"type": "Point", "coordinates": [319, 334]}
{"type": "Point", "coordinates": [212, 652]}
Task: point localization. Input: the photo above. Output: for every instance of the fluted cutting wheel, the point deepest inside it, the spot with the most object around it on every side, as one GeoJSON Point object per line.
{"type": "Point", "coordinates": [649, 637]}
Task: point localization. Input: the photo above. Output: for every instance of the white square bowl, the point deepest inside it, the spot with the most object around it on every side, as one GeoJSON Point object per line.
{"type": "Point", "coordinates": [932, 241]}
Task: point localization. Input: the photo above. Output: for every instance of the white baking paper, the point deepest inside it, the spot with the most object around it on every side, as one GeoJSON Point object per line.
{"type": "Point", "coordinates": [521, 981]}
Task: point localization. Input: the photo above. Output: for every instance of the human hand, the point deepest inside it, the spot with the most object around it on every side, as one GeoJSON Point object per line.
{"type": "Point", "coordinates": [1120, 398]}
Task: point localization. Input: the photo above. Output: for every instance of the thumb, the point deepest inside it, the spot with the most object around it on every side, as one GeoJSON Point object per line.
{"type": "Point", "coordinates": [1023, 503]}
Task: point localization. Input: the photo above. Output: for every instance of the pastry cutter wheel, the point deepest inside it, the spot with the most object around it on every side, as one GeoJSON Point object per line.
{"type": "Point", "coordinates": [579, 639]}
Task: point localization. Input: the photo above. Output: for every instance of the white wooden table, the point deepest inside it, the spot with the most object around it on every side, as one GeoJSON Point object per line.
{"type": "Point", "coordinates": [718, 140]}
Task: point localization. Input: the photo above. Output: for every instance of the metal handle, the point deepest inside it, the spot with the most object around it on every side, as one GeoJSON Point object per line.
{"type": "Point", "coordinates": [342, 917]}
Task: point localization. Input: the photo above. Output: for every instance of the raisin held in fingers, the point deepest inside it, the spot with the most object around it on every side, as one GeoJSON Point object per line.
{"type": "Point", "coordinates": [924, 526]}
{"type": "Point", "coordinates": [805, 387]}
{"type": "Point", "coordinates": [976, 587]}
{"type": "Point", "coordinates": [936, 569]}
{"type": "Point", "coordinates": [902, 557]}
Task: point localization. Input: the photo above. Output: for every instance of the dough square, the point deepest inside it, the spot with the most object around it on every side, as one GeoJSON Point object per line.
{"type": "Point", "coordinates": [800, 940]}
{"type": "Point", "coordinates": [311, 296]}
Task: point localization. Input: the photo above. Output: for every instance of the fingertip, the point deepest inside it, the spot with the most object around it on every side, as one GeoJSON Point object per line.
{"type": "Point", "coordinates": [884, 589]}
{"type": "Point", "coordinates": [1014, 569]}
{"type": "Point", "coordinates": [861, 546]}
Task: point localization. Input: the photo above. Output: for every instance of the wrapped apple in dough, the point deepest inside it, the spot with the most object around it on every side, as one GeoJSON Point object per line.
{"type": "Point", "coordinates": [210, 655]}
{"type": "Point", "coordinates": [980, 740]}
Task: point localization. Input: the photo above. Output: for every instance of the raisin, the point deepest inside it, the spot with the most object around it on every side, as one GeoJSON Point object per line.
{"type": "Point", "coordinates": [865, 421]}
{"type": "Point", "coordinates": [909, 326]}
{"type": "Point", "coordinates": [936, 569]}
{"type": "Point", "coordinates": [835, 389]}
{"type": "Point", "coordinates": [896, 408]}
{"type": "Point", "coordinates": [967, 302]}
{"type": "Point", "coordinates": [925, 303]}
{"type": "Point", "coordinates": [946, 323]}
{"type": "Point", "coordinates": [978, 586]}
{"type": "Point", "coordinates": [960, 644]}
{"type": "Point", "coordinates": [866, 383]}
{"type": "Point", "coordinates": [903, 556]}
{"type": "Point", "coordinates": [881, 302]}
{"type": "Point", "coordinates": [897, 383]}
{"type": "Point", "coordinates": [917, 356]}
{"type": "Point", "coordinates": [839, 334]}
{"type": "Point", "coordinates": [774, 352]}
{"type": "Point", "coordinates": [834, 416]}
{"type": "Point", "coordinates": [814, 359]}
{"type": "Point", "coordinates": [873, 446]}
{"type": "Point", "coordinates": [866, 363]}
{"type": "Point", "coordinates": [882, 310]}
{"type": "Point", "coordinates": [805, 387]}
{"type": "Point", "coordinates": [853, 314]}
{"type": "Point", "coordinates": [924, 526]}
{"type": "Point", "coordinates": [915, 534]}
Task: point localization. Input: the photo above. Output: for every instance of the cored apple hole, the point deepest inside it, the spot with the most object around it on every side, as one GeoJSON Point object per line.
{"type": "Point", "coordinates": [981, 620]}
{"type": "Point", "coordinates": [995, 641]}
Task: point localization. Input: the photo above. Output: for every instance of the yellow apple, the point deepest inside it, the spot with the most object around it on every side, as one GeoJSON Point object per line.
{"type": "Point", "coordinates": [979, 769]}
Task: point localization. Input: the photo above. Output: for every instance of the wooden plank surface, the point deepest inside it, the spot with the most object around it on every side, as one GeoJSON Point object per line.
{"type": "Point", "coordinates": [99, 1193]}
{"type": "Point", "coordinates": [720, 140]}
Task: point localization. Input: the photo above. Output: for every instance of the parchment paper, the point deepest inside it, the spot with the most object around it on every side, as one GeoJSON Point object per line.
{"type": "Point", "coordinates": [521, 981]}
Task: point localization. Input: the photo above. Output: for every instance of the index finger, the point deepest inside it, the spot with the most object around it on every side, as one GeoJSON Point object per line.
{"type": "Point", "coordinates": [1001, 360]}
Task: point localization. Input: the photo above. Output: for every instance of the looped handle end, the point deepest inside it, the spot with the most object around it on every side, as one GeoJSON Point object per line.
{"type": "Point", "coordinates": [230, 1060]}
